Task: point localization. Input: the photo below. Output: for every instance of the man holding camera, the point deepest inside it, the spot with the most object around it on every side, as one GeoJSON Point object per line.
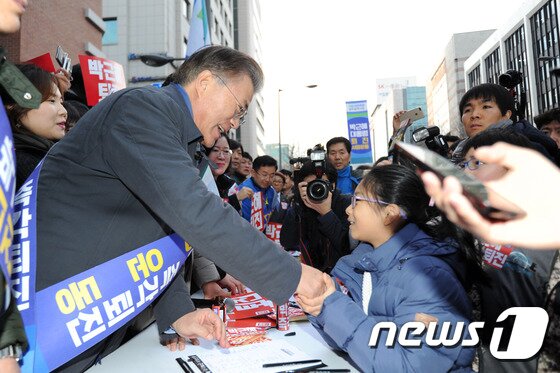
{"type": "Point", "coordinates": [315, 223]}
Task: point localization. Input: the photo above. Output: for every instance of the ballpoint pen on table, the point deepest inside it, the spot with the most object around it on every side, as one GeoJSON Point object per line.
{"type": "Point", "coordinates": [297, 362]}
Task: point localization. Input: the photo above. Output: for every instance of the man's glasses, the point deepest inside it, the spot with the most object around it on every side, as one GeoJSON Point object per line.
{"type": "Point", "coordinates": [265, 176]}
{"type": "Point", "coordinates": [222, 152]}
{"type": "Point", "coordinates": [472, 164]}
{"type": "Point", "coordinates": [356, 198]}
{"type": "Point", "coordinates": [241, 112]}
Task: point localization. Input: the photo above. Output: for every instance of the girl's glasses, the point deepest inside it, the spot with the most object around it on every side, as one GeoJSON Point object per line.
{"type": "Point", "coordinates": [472, 164]}
{"type": "Point", "coordinates": [356, 198]}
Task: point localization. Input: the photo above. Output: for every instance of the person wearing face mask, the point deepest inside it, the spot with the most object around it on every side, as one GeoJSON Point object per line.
{"type": "Point", "coordinates": [517, 277]}
{"type": "Point", "coordinates": [36, 130]}
{"type": "Point", "coordinates": [490, 105]}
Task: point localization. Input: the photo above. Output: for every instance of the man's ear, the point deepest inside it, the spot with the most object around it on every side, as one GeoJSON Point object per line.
{"type": "Point", "coordinates": [508, 114]}
{"type": "Point", "coordinates": [202, 81]}
{"type": "Point", "coordinates": [392, 213]}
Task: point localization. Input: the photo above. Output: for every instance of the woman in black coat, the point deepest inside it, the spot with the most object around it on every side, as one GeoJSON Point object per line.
{"type": "Point", "coordinates": [36, 130]}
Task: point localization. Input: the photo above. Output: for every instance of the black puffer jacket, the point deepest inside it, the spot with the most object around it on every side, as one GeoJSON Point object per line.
{"type": "Point", "coordinates": [30, 149]}
{"type": "Point", "coordinates": [322, 240]}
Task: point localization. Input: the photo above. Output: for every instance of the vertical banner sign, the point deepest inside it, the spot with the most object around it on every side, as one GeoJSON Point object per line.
{"type": "Point", "coordinates": [358, 131]}
{"type": "Point", "coordinates": [101, 78]}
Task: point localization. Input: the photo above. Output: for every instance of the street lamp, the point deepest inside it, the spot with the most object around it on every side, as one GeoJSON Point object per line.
{"type": "Point", "coordinates": [279, 127]}
{"type": "Point", "coordinates": [157, 60]}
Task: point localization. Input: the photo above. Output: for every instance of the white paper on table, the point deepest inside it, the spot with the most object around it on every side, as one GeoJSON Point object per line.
{"type": "Point", "coordinates": [250, 358]}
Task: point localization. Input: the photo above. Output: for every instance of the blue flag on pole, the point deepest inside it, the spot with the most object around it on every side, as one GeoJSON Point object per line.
{"type": "Point", "coordinates": [199, 34]}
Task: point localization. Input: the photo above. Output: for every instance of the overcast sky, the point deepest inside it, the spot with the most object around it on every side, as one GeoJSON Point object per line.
{"type": "Point", "coordinates": [344, 46]}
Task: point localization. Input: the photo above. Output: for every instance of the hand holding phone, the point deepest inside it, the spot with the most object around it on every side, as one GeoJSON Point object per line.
{"type": "Point", "coordinates": [487, 202]}
{"type": "Point", "coordinates": [63, 60]}
{"type": "Point", "coordinates": [412, 115]}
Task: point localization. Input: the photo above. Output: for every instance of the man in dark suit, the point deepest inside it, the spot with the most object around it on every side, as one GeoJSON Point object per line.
{"type": "Point", "coordinates": [127, 175]}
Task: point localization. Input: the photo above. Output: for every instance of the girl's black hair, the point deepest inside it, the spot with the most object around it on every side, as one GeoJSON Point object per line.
{"type": "Point", "coordinates": [400, 185]}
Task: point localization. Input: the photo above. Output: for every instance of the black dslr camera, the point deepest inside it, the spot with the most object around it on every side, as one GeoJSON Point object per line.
{"type": "Point", "coordinates": [509, 80]}
{"type": "Point", "coordinates": [432, 138]}
{"type": "Point", "coordinates": [318, 189]}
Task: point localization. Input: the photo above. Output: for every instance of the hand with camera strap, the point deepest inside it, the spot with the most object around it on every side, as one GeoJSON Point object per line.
{"type": "Point", "coordinates": [323, 207]}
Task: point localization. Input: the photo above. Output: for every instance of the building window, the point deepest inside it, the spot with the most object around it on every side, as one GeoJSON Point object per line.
{"type": "Point", "coordinates": [185, 43]}
{"type": "Point", "coordinates": [516, 59]}
{"type": "Point", "coordinates": [492, 66]}
{"type": "Point", "coordinates": [544, 27]}
{"type": "Point", "coordinates": [474, 77]}
{"type": "Point", "coordinates": [111, 35]}
{"type": "Point", "coordinates": [186, 9]}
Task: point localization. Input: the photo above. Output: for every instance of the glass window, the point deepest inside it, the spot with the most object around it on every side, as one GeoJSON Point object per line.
{"type": "Point", "coordinates": [111, 35]}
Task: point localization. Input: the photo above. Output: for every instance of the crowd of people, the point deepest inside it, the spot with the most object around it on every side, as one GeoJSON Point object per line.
{"type": "Point", "coordinates": [383, 244]}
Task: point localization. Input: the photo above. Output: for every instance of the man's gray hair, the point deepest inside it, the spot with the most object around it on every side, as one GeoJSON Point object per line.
{"type": "Point", "coordinates": [223, 61]}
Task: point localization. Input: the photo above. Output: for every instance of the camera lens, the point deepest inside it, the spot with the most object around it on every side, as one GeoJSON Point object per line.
{"type": "Point", "coordinates": [318, 190]}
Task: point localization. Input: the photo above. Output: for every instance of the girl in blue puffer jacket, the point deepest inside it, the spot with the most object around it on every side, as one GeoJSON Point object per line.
{"type": "Point", "coordinates": [408, 268]}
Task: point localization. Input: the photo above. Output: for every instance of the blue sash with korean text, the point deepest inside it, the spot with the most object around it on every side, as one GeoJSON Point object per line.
{"type": "Point", "coordinates": [7, 187]}
{"type": "Point", "coordinates": [73, 315]}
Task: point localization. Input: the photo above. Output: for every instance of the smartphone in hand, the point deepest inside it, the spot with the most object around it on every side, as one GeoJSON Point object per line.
{"type": "Point", "coordinates": [63, 59]}
{"type": "Point", "coordinates": [413, 115]}
{"type": "Point", "coordinates": [487, 202]}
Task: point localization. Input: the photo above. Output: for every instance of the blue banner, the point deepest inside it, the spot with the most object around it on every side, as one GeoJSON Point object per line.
{"type": "Point", "coordinates": [7, 187]}
{"type": "Point", "coordinates": [358, 131]}
{"type": "Point", "coordinates": [69, 317]}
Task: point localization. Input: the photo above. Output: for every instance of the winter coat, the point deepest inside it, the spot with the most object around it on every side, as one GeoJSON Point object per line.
{"type": "Point", "coordinates": [411, 273]}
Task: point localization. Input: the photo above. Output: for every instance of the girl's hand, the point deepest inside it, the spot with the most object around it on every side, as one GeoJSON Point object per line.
{"type": "Point", "coordinates": [314, 305]}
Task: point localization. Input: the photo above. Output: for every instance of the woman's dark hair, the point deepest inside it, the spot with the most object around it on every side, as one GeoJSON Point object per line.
{"type": "Point", "coordinates": [281, 175]}
{"type": "Point", "coordinates": [489, 91]}
{"type": "Point", "coordinates": [494, 135]}
{"type": "Point", "coordinates": [400, 185]}
{"type": "Point", "coordinates": [75, 110]}
{"type": "Point", "coordinates": [41, 79]}
{"type": "Point", "coordinates": [208, 150]}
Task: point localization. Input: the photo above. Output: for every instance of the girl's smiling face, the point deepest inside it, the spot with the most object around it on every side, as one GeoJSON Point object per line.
{"type": "Point", "coordinates": [366, 219]}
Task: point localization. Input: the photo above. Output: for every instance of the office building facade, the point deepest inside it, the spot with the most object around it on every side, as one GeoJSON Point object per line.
{"type": "Point", "coordinates": [79, 32]}
{"type": "Point", "coordinates": [447, 84]}
{"type": "Point", "coordinates": [528, 42]}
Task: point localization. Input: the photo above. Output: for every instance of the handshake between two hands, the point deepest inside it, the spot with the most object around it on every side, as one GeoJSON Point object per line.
{"type": "Point", "coordinates": [314, 286]}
